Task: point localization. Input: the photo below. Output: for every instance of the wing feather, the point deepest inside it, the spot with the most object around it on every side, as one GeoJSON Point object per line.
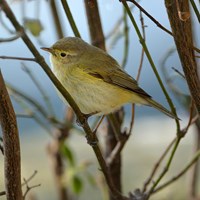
{"type": "Point", "coordinates": [119, 78]}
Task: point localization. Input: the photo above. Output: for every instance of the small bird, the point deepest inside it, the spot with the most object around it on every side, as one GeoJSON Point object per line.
{"type": "Point", "coordinates": [94, 79]}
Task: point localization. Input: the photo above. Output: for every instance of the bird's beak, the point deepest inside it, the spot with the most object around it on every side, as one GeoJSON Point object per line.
{"type": "Point", "coordinates": [50, 50]}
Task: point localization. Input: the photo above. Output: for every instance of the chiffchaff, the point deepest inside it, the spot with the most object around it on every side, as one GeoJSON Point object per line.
{"type": "Point", "coordinates": [94, 79]}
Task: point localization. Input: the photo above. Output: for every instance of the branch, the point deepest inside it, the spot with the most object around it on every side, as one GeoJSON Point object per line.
{"type": "Point", "coordinates": [96, 31]}
{"type": "Point", "coordinates": [183, 171]}
{"type": "Point", "coordinates": [142, 41]}
{"type": "Point", "coordinates": [70, 18]}
{"type": "Point", "coordinates": [92, 139]}
{"type": "Point", "coordinates": [40, 88]}
{"type": "Point", "coordinates": [18, 35]}
{"type": "Point", "coordinates": [56, 19]}
{"type": "Point", "coordinates": [12, 165]}
{"type": "Point", "coordinates": [156, 166]}
{"type": "Point", "coordinates": [150, 17]}
{"type": "Point", "coordinates": [17, 58]}
{"type": "Point", "coordinates": [182, 32]}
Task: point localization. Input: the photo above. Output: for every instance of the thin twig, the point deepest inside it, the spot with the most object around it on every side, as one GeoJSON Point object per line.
{"type": "Point", "coordinates": [40, 88]}
{"type": "Point", "coordinates": [142, 41]}
{"type": "Point", "coordinates": [92, 139]}
{"type": "Point", "coordinates": [139, 72]}
{"type": "Point", "coordinates": [116, 26]}
{"type": "Point", "coordinates": [2, 193]}
{"type": "Point", "coordinates": [196, 10]}
{"type": "Point", "coordinates": [118, 148]}
{"type": "Point", "coordinates": [150, 17]}
{"type": "Point", "coordinates": [28, 188]}
{"type": "Point", "coordinates": [1, 146]}
{"type": "Point", "coordinates": [18, 58]}
{"type": "Point", "coordinates": [30, 178]}
{"type": "Point", "coordinates": [177, 140]}
{"type": "Point", "coordinates": [18, 35]}
{"type": "Point", "coordinates": [180, 174]}
{"type": "Point", "coordinates": [15, 91]}
{"type": "Point", "coordinates": [156, 166]}
{"type": "Point", "coordinates": [178, 72]}
{"type": "Point", "coordinates": [126, 39]}
{"type": "Point", "coordinates": [57, 21]}
{"type": "Point", "coordinates": [70, 18]}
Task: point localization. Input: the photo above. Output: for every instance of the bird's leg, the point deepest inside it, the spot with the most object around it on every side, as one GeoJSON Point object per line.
{"type": "Point", "coordinates": [90, 141]}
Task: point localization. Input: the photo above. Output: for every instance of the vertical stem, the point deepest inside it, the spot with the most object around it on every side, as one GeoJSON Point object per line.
{"type": "Point", "coordinates": [195, 171]}
{"type": "Point", "coordinates": [12, 165]}
{"type": "Point", "coordinates": [70, 18]}
{"type": "Point", "coordinates": [180, 21]}
{"type": "Point", "coordinates": [56, 19]}
{"type": "Point", "coordinates": [94, 21]}
{"type": "Point", "coordinates": [97, 37]}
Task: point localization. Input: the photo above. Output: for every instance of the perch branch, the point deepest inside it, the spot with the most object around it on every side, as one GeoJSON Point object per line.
{"type": "Point", "coordinates": [184, 44]}
{"type": "Point", "coordinates": [92, 139]}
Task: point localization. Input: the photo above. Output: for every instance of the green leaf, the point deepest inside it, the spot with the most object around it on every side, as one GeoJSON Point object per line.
{"type": "Point", "coordinates": [34, 26]}
{"type": "Point", "coordinates": [77, 184]}
{"type": "Point", "coordinates": [67, 153]}
{"type": "Point", "coordinates": [91, 179]}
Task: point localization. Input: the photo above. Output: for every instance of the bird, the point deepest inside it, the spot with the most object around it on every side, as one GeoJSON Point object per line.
{"type": "Point", "coordinates": [94, 79]}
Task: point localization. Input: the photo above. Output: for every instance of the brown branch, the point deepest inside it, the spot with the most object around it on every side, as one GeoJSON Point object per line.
{"type": "Point", "coordinates": [18, 35]}
{"type": "Point", "coordinates": [138, 73]}
{"type": "Point", "coordinates": [150, 17]}
{"type": "Point", "coordinates": [156, 166]}
{"type": "Point", "coordinates": [182, 32]}
{"type": "Point", "coordinates": [98, 39]}
{"type": "Point", "coordinates": [56, 19]}
{"type": "Point", "coordinates": [180, 174]}
{"type": "Point", "coordinates": [96, 31]}
{"type": "Point", "coordinates": [92, 139]}
{"type": "Point", "coordinates": [12, 165]}
{"type": "Point", "coordinates": [17, 58]}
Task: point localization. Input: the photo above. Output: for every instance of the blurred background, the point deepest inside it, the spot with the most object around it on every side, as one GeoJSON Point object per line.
{"type": "Point", "coordinates": [152, 130]}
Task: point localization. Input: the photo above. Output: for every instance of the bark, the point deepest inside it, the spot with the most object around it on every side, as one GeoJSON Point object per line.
{"type": "Point", "coordinates": [180, 20]}
{"type": "Point", "coordinates": [12, 165]}
{"type": "Point", "coordinates": [97, 38]}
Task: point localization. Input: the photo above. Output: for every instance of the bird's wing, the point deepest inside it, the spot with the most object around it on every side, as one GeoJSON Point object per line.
{"type": "Point", "coordinates": [118, 77]}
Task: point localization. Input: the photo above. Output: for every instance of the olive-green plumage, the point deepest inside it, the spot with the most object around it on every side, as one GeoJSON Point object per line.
{"type": "Point", "coordinates": [94, 79]}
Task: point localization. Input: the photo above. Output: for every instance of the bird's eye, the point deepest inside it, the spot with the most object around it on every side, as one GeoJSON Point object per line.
{"type": "Point", "coordinates": [63, 54]}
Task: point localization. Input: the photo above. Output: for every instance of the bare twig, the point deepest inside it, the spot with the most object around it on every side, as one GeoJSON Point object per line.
{"type": "Point", "coordinates": [18, 35]}
{"type": "Point", "coordinates": [156, 166]}
{"type": "Point", "coordinates": [40, 88]}
{"type": "Point", "coordinates": [178, 72]}
{"type": "Point", "coordinates": [117, 150]}
{"type": "Point", "coordinates": [17, 58]}
{"type": "Point", "coordinates": [70, 18]}
{"type": "Point", "coordinates": [196, 10]}
{"type": "Point", "coordinates": [126, 39]}
{"type": "Point", "coordinates": [142, 41]}
{"type": "Point", "coordinates": [2, 193]}
{"type": "Point", "coordinates": [1, 146]}
{"type": "Point", "coordinates": [184, 44]}
{"type": "Point", "coordinates": [195, 171]}
{"type": "Point", "coordinates": [28, 188]}
{"type": "Point", "coordinates": [12, 165]}
{"type": "Point", "coordinates": [139, 72]}
{"type": "Point", "coordinates": [181, 173]}
{"type": "Point", "coordinates": [150, 17]}
{"type": "Point", "coordinates": [30, 178]}
{"type": "Point", "coordinates": [92, 139]}
{"type": "Point", "coordinates": [57, 21]}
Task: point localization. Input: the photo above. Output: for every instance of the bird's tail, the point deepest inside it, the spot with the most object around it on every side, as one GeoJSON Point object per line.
{"type": "Point", "coordinates": [158, 106]}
